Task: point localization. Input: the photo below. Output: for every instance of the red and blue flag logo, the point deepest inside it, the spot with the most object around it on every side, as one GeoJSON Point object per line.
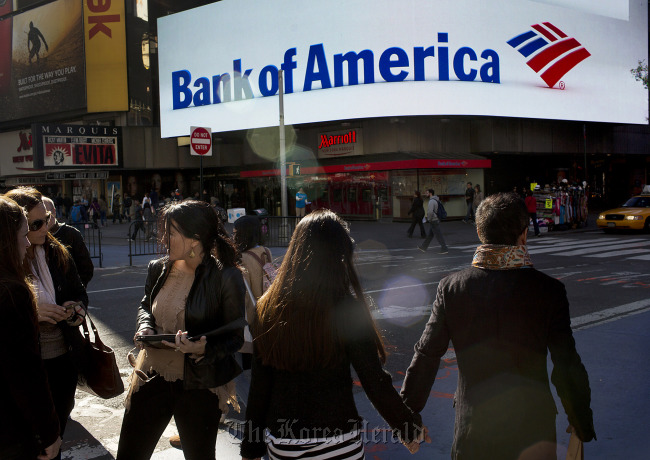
{"type": "Point", "coordinates": [550, 50]}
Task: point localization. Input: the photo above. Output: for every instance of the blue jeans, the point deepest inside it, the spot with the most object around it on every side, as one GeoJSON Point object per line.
{"type": "Point", "coordinates": [533, 215]}
{"type": "Point", "coordinates": [470, 212]}
{"type": "Point", "coordinates": [434, 229]}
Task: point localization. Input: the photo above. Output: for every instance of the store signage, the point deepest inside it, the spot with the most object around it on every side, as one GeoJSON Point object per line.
{"type": "Point", "coordinates": [65, 146]}
{"type": "Point", "coordinates": [340, 143]}
{"type": "Point", "coordinates": [16, 155]}
{"type": "Point", "coordinates": [421, 58]}
{"type": "Point", "coordinates": [379, 166]}
{"type": "Point", "coordinates": [76, 175]}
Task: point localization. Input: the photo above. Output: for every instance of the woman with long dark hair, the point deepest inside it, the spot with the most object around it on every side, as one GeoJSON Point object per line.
{"type": "Point", "coordinates": [311, 325]}
{"type": "Point", "coordinates": [417, 214]}
{"type": "Point", "coordinates": [33, 429]}
{"type": "Point", "coordinates": [195, 289]}
{"type": "Point", "coordinates": [61, 299]}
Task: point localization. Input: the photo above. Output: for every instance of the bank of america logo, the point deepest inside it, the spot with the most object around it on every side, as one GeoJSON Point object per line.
{"type": "Point", "coordinates": [550, 50]}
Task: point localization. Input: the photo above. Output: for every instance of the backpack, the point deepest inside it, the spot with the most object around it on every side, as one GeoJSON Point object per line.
{"type": "Point", "coordinates": [269, 269]}
{"type": "Point", "coordinates": [75, 214]}
{"type": "Point", "coordinates": [441, 213]}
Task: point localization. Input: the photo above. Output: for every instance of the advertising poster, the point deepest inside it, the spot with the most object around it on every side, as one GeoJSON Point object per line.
{"type": "Point", "coordinates": [352, 59]}
{"type": "Point", "coordinates": [74, 146]}
{"type": "Point", "coordinates": [47, 61]}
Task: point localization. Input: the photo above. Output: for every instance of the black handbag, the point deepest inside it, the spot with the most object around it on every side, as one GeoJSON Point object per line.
{"type": "Point", "coordinates": [98, 371]}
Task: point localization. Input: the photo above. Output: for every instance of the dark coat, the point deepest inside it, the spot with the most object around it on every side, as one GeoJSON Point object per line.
{"type": "Point", "coordinates": [216, 298]}
{"type": "Point", "coordinates": [29, 421]}
{"type": "Point", "coordinates": [72, 238]}
{"type": "Point", "coordinates": [501, 324]}
{"type": "Point", "coordinates": [417, 209]}
{"type": "Point", "coordinates": [67, 287]}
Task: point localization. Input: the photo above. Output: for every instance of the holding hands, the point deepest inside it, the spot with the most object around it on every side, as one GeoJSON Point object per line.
{"type": "Point", "coordinates": [414, 445]}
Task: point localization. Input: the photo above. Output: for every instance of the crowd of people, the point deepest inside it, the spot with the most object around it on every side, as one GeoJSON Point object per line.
{"type": "Point", "coordinates": [302, 332]}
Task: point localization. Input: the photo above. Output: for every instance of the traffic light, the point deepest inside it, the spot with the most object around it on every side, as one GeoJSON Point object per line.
{"type": "Point", "coordinates": [293, 169]}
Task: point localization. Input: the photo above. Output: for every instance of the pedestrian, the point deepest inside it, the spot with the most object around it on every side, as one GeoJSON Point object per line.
{"type": "Point", "coordinates": [116, 208]}
{"type": "Point", "coordinates": [73, 240]}
{"type": "Point", "coordinates": [95, 210]}
{"type": "Point", "coordinates": [503, 316]}
{"type": "Point", "coordinates": [30, 428]}
{"type": "Point", "coordinates": [103, 209]}
{"type": "Point", "coordinates": [58, 202]}
{"type": "Point", "coordinates": [195, 289]}
{"type": "Point", "coordinates": [148, 216]}
{"type": "Point", "coordinates": [307, 335]}
{"type": "Point", "coordinates": [417, 215]}
{"type": "Point", "coordinates": [146, 200]}
{"type": "Point", "coordinates": [469, 201]}
{"type": "Point", "coordinates": [434, 224]}
{"type": "Point", "coordinates": [301, 203]}
{"type": "Point", "coordinates": [531, 206]}
{"type": "Point", "coordinates": [128, 202]}
{"type": "Point", "coordinates": [478, 197]}
{"type": "Point", "coordinates": [247, 235]}
{"type": "Point", "coordinates": [138, 220]}
{"type": "Point", "coordinates": [57, 285]}
{"type": "Point", "coordinates": [67, 204]}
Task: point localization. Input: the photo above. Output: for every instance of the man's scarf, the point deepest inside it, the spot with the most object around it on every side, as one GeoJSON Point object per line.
{"type": "Point", "coordinates": [501, 257]}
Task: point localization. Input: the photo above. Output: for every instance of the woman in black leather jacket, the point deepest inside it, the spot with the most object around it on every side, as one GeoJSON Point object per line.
{"type": "Point", "coordinates": [195, 289]}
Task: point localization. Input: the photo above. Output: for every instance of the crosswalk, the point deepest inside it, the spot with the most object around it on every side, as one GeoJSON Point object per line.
{"type": "Point", "coordinates": [595, 246]}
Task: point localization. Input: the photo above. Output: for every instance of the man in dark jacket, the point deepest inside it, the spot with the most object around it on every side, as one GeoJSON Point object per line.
{"type": "Point", "coordinates": [502, 316]}
{"type": "Point", "coordinates": [73, 239]}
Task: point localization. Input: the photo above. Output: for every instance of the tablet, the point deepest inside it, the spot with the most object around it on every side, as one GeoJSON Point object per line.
{"type": "Point", "coordinates": [155, 340]}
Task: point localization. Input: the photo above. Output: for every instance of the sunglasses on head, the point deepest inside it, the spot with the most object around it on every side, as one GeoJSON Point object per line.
{"type": "Point", "coordinates": [37, 224]}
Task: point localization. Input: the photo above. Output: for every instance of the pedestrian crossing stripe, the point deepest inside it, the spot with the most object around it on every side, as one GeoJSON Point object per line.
{"type": "Point", "coordinates": [601, 247]}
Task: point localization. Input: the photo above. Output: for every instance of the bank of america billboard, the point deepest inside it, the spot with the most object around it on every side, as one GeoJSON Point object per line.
{"type": "Point", "coordinates": [552, 59]}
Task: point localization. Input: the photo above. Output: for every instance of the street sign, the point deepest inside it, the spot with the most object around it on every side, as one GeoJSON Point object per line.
{"type": "Point", "coordinates": [201, 141]}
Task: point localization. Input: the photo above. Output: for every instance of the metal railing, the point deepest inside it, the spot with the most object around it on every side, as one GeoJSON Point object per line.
{"type": "Point", "coordinates": [143, 239]}
{"type": "Point", "coordinates": [92, 236]}
{"type": "Point", "coordinates": [277, 231]}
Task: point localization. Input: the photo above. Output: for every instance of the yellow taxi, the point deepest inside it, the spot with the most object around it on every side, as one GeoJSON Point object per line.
{"type": "Point", "coordinates": [633, 215]}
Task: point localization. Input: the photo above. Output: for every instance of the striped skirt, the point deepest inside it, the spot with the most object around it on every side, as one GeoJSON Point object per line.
{"type": "Point", "coordinates": [343, 447]}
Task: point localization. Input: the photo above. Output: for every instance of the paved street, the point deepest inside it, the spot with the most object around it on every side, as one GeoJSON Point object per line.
{"type": "Point", "coordinates": [608, 283]}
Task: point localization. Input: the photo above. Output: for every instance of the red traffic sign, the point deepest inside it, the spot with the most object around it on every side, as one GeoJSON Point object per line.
{"type": "Point", "coordinates": [201, 141]}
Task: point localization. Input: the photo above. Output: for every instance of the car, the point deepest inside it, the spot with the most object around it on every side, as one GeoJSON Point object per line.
{"type": "Point", "coordinates": [633, 215]}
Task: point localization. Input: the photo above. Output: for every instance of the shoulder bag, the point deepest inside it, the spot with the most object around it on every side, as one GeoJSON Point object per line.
{"type": "Point", "coordinates": [98, 372]}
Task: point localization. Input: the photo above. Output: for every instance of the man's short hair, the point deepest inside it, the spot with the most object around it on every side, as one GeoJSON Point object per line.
{"type": "Point", "coordinates": [431, 191]}
{"type": "Point", "coordinates": [501, 218]}
{"type": "Point", "coordinates": [469, 183]}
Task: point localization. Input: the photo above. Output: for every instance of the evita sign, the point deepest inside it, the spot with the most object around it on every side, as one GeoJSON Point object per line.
{"type": "Point", "coordinates": [72, 146]}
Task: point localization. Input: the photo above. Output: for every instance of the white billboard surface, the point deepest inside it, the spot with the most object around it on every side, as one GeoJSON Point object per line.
{"type": "Point", "coordinates": [551, 59]}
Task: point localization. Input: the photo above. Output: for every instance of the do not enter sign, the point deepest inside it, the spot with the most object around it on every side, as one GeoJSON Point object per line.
{"type": "Point", "coordinates": [201, 141]}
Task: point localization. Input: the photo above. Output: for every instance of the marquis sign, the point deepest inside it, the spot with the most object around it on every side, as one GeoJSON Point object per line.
{"type": "Point", "coordinates": [74, 146]}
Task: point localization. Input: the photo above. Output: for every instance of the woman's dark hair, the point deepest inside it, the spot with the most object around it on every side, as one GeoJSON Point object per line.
{"type": "Point", "coordinates": [247, 233]}
{"type": "Point", "coordinates": [12, 270]}
{"type": "Point", "coordinates": [477, 187]}
{"type": "Point", "coordinates": [297, 321]}
{"type": "Point", "coordinates": [199, 220]}
{"type": "Point", "coordinates": [501, 218]}
{"type": "Point", "coordinates": [418, 194]}
{"type": "Point", "coordinates": [29, 198]}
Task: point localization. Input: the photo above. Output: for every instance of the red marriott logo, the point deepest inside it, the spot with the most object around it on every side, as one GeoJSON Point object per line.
{"type": "Point", "coordinates": [328, 141]}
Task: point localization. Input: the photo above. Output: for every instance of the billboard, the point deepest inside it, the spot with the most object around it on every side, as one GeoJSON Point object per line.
{"type": "Point", "coordinates": [76, 146]}
{"type": "Point", "coordinates": [553, 59]}
{"type": "Point", "coordinates": [42, 65]}
{"type": "Point", "coordinates": [105, 40]}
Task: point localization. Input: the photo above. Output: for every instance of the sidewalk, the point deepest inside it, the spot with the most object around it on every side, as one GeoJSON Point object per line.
{"type": "Point", "coordinates": [367, 234]}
